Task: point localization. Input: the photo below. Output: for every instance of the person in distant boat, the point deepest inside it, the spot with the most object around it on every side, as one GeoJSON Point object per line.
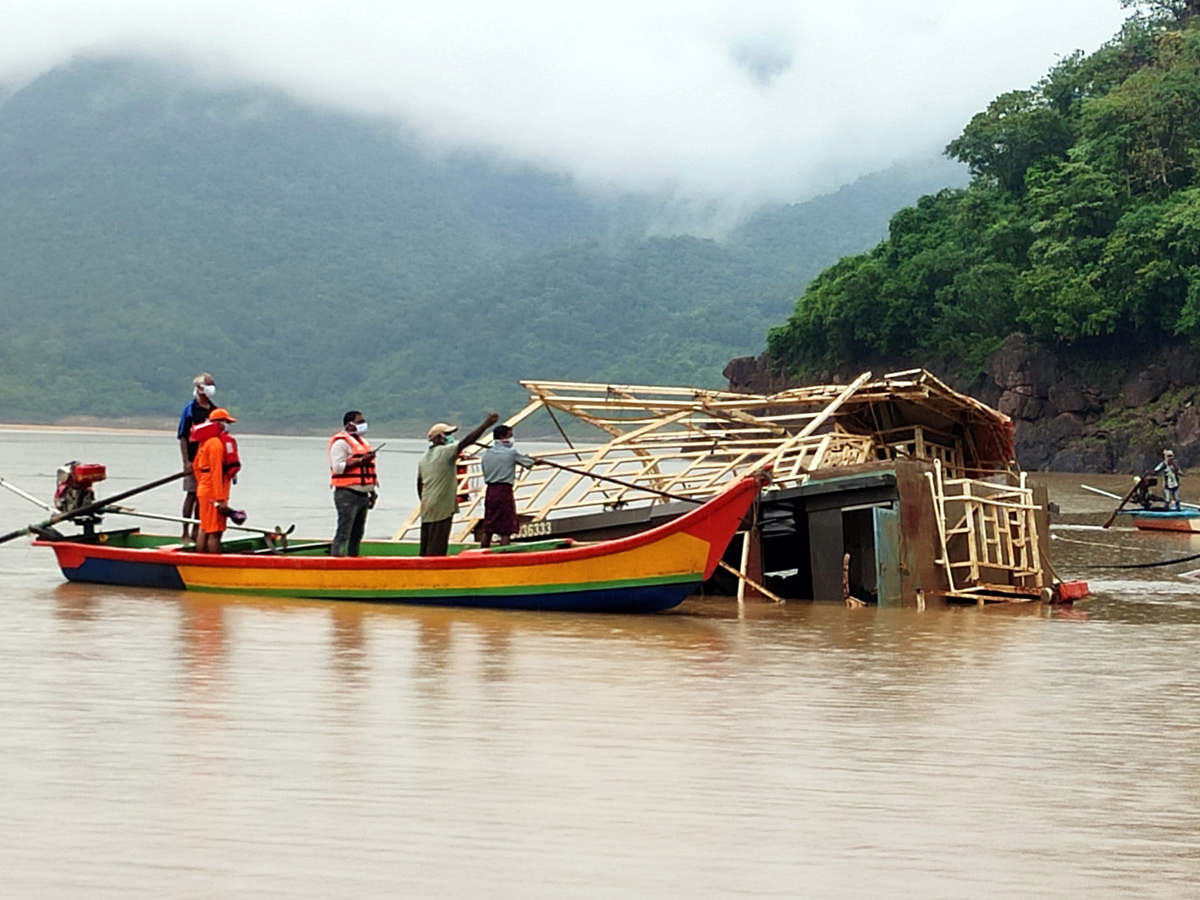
{"type": "Point", "coordinates": [1170, 473]}
{"type": "Point", "coordinates": [195, 413]}
{"type": "Point", "coordinates": [215, 466]}
{"type": "Point", "coordinates": [500, 463]}
{"type": "Point", "coordinates": [437, 484]}
{"type": "Point", "coordinates": [354, 481]}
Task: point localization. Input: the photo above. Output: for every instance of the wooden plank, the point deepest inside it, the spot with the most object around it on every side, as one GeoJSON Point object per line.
{"type": "Point", "coordinates": [813, 425]}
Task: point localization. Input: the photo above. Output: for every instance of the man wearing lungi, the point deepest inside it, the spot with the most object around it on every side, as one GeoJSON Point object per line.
{"type": "Point", "coordinates": [499, 463]}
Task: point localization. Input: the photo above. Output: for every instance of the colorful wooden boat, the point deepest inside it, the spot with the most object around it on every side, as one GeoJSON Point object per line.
{"type": "Point", "coordinates": [1186, 520]}
{"type": "Point", "coordinates": [645, 572]}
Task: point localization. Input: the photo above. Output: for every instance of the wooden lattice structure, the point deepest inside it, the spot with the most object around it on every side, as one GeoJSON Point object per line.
{"type": "Point", "coordinates": [690, 443]}
{"type": "Point", "coordinates": [988, 534]}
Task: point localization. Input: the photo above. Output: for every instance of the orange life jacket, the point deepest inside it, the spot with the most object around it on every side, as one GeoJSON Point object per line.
{"type": "Point", "coordinates": [233, 463]}
{"type": "Point", "coordinates": [202, 432]}
{"type": "Point", "coordinates": [357, 473]}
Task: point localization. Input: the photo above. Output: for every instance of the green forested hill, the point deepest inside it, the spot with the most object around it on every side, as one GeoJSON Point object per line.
{"type": "Point", "coordinates": [151, 227]}
{"type": "Point", "coordinates": [1080, 227]}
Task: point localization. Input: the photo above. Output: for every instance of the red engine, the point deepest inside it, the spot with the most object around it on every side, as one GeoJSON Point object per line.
{"type": "Point", "coordinates": [75, 480]}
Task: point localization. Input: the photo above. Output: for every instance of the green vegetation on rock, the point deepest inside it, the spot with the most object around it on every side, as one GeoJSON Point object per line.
{"type": "Point", "coordinates": [1080, 227]}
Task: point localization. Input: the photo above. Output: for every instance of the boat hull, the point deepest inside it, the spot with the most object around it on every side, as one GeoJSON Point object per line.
{"type": "Point", "coordinates": [647, 572]}
{"type": "Point", "coordinates": [1185, 521]}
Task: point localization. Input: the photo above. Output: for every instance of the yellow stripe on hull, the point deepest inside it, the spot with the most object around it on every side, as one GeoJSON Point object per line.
{"type": "Point", "coordinates": [674, 556]}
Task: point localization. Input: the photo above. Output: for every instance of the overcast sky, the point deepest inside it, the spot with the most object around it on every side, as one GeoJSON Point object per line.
{"type": "Point", "coordinates": [740, 100]}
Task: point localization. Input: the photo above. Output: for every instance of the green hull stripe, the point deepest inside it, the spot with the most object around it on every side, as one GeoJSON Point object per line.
{"type": "Point", "coordinates": [514, 591]}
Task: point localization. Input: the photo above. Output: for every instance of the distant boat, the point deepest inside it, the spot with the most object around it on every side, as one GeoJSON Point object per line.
{"type": "Point", "coordinates": [1187, 520]}
{"type": "Point", "coordinates": [646, 572]}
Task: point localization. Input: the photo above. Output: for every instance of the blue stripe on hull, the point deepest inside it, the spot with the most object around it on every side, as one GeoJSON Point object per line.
{"type": "Point", "coordinates": [95, 570]}
{"type": "Point", "coordinates": [649, 598]}
{"type": "Point", "coordinates": [641, 599]}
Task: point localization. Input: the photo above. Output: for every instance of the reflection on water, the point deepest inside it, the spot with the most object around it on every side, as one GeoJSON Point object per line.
{"type": "Point", "coordinates": [349, 644]}
{"type": "Point", "coordinates": [202, 632]}
{"type": "Point", "coordinates": [75, 603]}
{"type": "Point", "coordinates": [157, 743]}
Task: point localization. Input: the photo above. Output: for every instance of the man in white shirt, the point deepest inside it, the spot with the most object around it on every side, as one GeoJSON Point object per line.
{"type": "Point", "coordinates": [499, 463]}
{"type": "Point", "coordinates": [354, 481]}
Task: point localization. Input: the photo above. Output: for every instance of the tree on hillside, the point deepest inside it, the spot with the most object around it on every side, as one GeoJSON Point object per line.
{"type": "Point", "coordinates": [1015, 131]}
{"type": "Point", "coordinates": [1181, 11]}
{"type": "Point", "coordinates": [1081, 224]}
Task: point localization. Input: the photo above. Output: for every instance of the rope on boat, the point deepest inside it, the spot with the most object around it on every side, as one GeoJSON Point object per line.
{"type": "Point", "coordinates": [1165, 562]}
{"type": "Point", "coordinates": [1149, 565]}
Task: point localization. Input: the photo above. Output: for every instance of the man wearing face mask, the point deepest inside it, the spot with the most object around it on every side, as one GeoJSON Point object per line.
{"type": "Point", "coordinates": [354, 482]}
{"type": "Point", "coordinates": [195, 413]}
{"type": "Point", "coordinates": [215, 466]}
{"type": "Point", "coordinates": [499, 463]}
{"type": "Point", "coordinates": [437, 484]}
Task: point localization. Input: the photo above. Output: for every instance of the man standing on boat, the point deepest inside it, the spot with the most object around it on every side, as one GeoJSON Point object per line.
{"type": "Point", "coordinates": [437, 484]}
{"type": "Point", "coordinates": [354, 481]}
{"type": "Point", "coordinates": [195, 413]}
{"type": "Point", "coordinates": [215, 465]}
{"type": "Point", "coordinates": [499, 463]}
{"type": "Point", "coordinates": [1171, 478]}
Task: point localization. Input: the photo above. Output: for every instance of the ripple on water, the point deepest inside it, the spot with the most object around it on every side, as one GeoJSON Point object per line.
{"type": "Point", "coordinates": [220, 746]}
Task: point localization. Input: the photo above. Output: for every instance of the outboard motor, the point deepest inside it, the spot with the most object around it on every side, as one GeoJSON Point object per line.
{"type": "Point", "coordinates": [1143, 496]}
{"type": "Point", "coordinates": [74, 491]}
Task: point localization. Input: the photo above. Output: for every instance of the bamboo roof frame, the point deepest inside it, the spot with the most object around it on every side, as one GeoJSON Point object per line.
{"type": "Point", "coordinates": [690, 442]}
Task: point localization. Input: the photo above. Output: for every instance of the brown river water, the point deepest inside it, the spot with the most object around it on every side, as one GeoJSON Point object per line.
{"type": "Point", "coordinates": [172, 745]}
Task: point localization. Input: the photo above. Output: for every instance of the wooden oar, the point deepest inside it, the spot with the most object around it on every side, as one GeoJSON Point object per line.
{"type": "Point", "coordinates": [1110, 495]}
{"type": "Point", "coordinates": [1102, 493]}
{"type": "Point", "coordinates": [626, 484]}
{"type": "Point", "coordinates": [277, 532]}
{"type": "Point", "coordinates": [751, 582]}
{"type": "Point", "coordinates": [554, 419]}
{"type": "Point", "coordinates": [28, 496]}
{"type": "Point", "coordinates": [91, 507]}
{"type": "Point", "coordinates": [1121, 506]}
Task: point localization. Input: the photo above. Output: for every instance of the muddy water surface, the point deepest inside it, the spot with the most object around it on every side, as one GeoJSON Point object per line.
{"type": "Point", "coordinates": [172, 745]}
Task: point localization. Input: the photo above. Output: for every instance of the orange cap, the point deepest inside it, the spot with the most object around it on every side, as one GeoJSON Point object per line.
{"type": "Point", "coordinates": [220, 414]}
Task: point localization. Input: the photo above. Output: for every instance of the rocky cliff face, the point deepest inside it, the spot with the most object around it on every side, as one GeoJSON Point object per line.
{"type": "Point", "coordinates": [1072, 412]}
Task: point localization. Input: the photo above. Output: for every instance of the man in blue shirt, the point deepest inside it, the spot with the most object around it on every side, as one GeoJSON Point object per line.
{"type": "Point", "coordinates": [195, 413]}
{"type": "Point", "coordinates": [499, 463]}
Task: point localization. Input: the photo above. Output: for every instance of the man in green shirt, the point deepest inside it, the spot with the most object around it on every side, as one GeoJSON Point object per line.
{"type": "Point", "coordinates": [437, 483]}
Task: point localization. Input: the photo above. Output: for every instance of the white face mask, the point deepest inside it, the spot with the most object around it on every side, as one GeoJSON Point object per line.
{"type": "Point", "coordinates": [360, 427]}
{"type": "Point", "coordinates": [208, 390]}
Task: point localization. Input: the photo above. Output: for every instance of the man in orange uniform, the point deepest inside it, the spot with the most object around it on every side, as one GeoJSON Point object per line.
{"type": "Point", "coordinates": [213, 478]}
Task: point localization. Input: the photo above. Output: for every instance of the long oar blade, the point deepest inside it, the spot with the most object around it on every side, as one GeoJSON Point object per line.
{"type": "Point", "coordinates": [1109, 494]}
{"type": "Point", "coordinates": [91, 507]}
{"type": "Point", "coordinates": [624, 484]}
{"type": "Point", "coordinates": [28, 496]}
{"type": "Point", "coordinates": [137, 513]}
{"type": "Point", "coordinates": [1121, 506]}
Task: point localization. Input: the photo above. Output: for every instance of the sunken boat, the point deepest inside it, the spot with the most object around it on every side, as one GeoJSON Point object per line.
{"type": "Point", "coordinates": [896, 490]}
